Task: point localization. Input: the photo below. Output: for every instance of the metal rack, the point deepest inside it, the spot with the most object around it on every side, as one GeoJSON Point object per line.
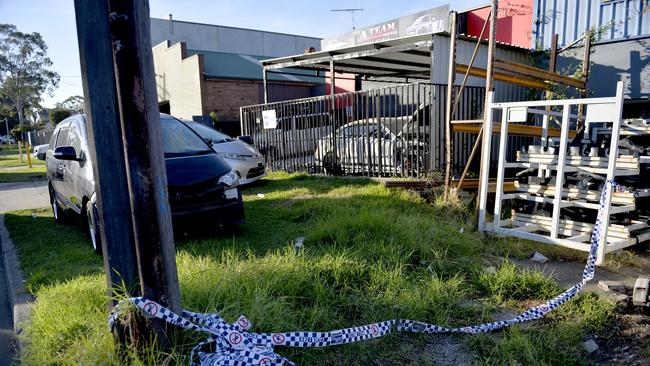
{"type": "Point", "coordinates": [557, 228]}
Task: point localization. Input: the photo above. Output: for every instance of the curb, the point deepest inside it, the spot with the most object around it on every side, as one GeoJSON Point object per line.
{"type": "Point", "coordinates": [18, 296]}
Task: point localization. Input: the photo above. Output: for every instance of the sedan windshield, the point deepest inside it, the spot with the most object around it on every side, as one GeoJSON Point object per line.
{"type": "Point", "coordinates": [208, 133]}
{"type": "Point", "coordinates": [179, 140]}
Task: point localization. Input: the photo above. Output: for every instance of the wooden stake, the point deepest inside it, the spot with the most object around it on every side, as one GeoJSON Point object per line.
{"type": "Point", "coordinates": [488, 82]}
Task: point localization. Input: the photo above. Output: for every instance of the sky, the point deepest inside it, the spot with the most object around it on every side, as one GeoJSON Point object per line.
{"type": "Point", "coordinates": [55, 21]}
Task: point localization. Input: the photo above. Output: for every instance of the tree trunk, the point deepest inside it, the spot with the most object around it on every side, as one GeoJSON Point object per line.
{"type": "Point", "coordinates": [21, 120]}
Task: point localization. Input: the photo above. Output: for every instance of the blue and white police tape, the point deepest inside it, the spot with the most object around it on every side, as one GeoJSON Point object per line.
{"type": "Point", "coordinates": [233, 344]}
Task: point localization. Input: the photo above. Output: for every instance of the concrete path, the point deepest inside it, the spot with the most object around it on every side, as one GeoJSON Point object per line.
{"type": "Point", "coordinates": [23, 195]}
{"type": "Point", "coordinates": [568, 273]}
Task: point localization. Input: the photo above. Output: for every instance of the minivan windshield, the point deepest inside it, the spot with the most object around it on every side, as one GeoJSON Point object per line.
{"type": "Point", "coordinates": [208, 133]}
{"type": "Point", "coordinates": [179, 140]}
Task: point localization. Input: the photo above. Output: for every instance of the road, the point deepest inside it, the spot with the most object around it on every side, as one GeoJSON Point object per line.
{"type": "Point", "coordinates": [15, 196]}
{"type": "Point", "coordinates": [23, 195]}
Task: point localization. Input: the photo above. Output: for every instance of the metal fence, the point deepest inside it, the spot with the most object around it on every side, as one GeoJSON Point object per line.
{"type": "Point", "coordinates": [40, 137]}
{"type": "Point", "coordinates": [392, 131]}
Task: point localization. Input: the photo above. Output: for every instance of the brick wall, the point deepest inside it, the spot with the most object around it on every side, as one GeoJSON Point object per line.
{"type": "Point", "coordinates": [225, 97]}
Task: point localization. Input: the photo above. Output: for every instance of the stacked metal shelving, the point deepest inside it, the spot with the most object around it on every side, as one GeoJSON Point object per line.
{"type": "Point", "coordinates": [557, 195]}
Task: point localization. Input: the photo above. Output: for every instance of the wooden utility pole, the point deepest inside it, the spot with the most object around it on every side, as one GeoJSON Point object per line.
{"type": "Point", "coordinates": [106, 148]}
{"type": "Point", "coordinates": [145, 166]}
{"type": "Point", "coordinates": [126, 147]}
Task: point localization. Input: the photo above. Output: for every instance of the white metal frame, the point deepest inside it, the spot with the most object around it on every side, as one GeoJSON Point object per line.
{"type": "Point", "coordinates": [581, 240]}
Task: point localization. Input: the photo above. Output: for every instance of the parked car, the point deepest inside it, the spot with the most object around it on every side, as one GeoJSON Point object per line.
{"type": "Point", "coordinates": [7, 140]}
{"type": "Point", "coordinates": [382, 145]}
{"type": "Point", "coordinates": [244, 158]}
{"type": "Point", "coordinates": [39, 151]}
{"type": "Point", "coordinates": [201, 185]}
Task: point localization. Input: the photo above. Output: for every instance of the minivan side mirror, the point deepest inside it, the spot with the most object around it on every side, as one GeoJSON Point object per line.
{"type": "Point", "coordinates": [65, 153]}
{"type": "Point", "coordinates": [247, 139]}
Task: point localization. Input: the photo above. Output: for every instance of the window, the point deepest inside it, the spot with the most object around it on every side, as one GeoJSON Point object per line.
{"type": "Point", "coordinates": [53, 140]}
{"type": "Point", "coordinates": [180, 140]}
{"type": "Point", "coordinates": [208, 133]}
{"type": "Point", "coordinates": [62, 140]}
{"type": "Point", "coordinates": [75, 141]}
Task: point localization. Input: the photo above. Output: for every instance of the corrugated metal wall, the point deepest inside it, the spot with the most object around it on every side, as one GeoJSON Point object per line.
{"type": "Point", "coordinates": [504, 92]}
{"type": "Point", "coordinates": [571, 18]}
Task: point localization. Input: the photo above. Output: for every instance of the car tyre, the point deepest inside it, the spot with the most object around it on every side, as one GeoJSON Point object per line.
{"type": "Point", "coordinates": [57, 212]}
{"type": "Point", "coordinates": [92, 226]}
{"type": "Point", "coordinates": [332, 164]}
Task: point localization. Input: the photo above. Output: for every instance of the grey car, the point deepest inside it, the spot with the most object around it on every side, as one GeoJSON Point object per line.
{"type": "Point", "coordinates": [245, 159]}
{"type": "Point", "coordinates": [202, 187]}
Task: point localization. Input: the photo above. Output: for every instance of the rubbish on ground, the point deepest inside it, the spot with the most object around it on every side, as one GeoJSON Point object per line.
{"type": "Point", "coordinates": [615, 286]}
{"type": "Point", "coordinates": [490, 270]}
{"type": "Point", "coordinates": [260, 195]}
{"type": "Point", "coordinates": [539, 258]}
{"type": "Point", "coordinates": [298, 243]}
{"type": "Point", "coordinates": [590, 346]}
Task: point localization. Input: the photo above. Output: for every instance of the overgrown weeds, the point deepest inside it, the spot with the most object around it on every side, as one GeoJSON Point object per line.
{"type": "Point", "coordinates": [369, 254]}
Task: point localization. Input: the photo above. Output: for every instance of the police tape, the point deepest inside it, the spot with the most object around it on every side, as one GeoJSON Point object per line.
{"type": "Point", "coordinates": [233, 344]}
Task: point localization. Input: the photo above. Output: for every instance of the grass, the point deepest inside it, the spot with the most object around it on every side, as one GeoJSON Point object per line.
{"type": "Point", "coordinates": [22, 174]}
{"type": "Point", "coordinates": [14, 161]}
{"type": "Point", "coordinates": [12, 169]}
{"type": "Point", "coordinates": [370, 254]}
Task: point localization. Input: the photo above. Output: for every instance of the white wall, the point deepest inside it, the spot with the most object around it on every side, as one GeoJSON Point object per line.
{"type": "Point", "coordinates": [208, 37]}
{"type": "Point", "coordinates": [178, 79]}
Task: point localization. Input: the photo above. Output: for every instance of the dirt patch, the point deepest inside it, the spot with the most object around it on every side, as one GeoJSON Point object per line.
{"type": "Point", "coordinates": [449, 351]}
{"type": "Point", "coordinates": [627, 342]}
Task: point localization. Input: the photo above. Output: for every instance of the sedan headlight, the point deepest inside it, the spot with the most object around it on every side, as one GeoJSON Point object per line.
{"type": "Point", "coordinates": [229, 155]}
{"type": "Point", "coordinates": [229, 179]}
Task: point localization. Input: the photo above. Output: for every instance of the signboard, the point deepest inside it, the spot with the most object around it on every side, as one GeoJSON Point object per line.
{"type": "Point", "coordinates": [428, 21]}
{"type": "Point", "coordinates": [270, 119]}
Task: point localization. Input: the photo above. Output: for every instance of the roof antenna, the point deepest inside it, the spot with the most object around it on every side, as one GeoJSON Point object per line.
{"type": "Point", "coordinates": [351, 11]}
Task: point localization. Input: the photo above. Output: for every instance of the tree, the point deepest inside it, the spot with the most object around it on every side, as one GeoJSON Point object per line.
{"type": "Point", "coordinates": [25, 72]}
{"type": "Point", "coordinates": [59, 114]}
{"type": "Point", "coordinates": [74, 104]}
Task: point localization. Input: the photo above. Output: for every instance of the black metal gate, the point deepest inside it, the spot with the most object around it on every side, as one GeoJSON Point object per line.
{"type": "Point", "coordinates": [392, 131]}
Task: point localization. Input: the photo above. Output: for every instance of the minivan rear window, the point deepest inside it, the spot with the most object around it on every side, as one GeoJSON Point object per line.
{"type": "Point", "coordinates": [180, 140]}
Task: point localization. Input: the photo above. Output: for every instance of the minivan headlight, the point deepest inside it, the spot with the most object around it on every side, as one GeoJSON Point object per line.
{"type": "Point", "coordinates": [229, 179]}
{"type": "Point", "coordinates": [229, 155]}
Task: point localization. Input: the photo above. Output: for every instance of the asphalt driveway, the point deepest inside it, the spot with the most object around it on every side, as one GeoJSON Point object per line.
{"type": "Point", "coordinates": [23, 195]}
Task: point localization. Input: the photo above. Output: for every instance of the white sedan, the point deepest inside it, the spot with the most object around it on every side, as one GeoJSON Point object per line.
{"type": "Point", "coordinates": [245, 159]}
{"type": "Point", "coordinates": [385, 146]}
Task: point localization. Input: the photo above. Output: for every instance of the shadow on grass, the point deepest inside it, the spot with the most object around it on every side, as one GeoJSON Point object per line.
{"type": "Point", "coordinates": [50, 252]}
{"type": "Point", "coordinates": [20, 175]}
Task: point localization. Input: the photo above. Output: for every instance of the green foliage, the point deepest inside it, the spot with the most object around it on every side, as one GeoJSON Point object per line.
{"type": "Point", "coordinates": [75, 104]}
{"type": "Point", "coordinates": [215, 118]}
{"type": "Point", "coordinates": [19, 132]}
{"type": "Point", "coordinates": [25, 69]}
{"type": "Point", "coordinates": [556, 340]}
{"type": "Point", "coordinates": [509, 283]}
{"type": "Point", "coordinates": [59, 114]}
